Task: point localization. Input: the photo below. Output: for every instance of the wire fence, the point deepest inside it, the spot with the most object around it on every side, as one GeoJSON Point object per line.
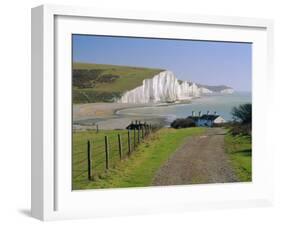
{"type": "Point", "coordinates": [96, 152]}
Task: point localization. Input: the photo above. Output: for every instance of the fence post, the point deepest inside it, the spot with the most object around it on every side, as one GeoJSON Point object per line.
{"type": "Point", "coordinates": [138, 134]}
{"type": "Point", "coordinates": [142, 132]}
{"type": "Point", "coordinates": [106, 152]}
{"type": "Point", "coordinates": [134, 138]}
{"type": "Point", "coordinates": [129, 142]}
{"type": "Point", "coordinates": [97, 128]}
{"type": "Point", "coordinates": [120, 146]}
{"type": "Point", "coordinates": [89, 160]}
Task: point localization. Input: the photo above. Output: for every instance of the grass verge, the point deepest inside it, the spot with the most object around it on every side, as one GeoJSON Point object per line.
{"type": "Point", "coordinates": [140, 168]}
{"type": "Point", "coordinates": [239, 149]}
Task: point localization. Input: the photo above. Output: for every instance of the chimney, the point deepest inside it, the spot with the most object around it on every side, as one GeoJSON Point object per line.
{"type": "Point", "coordinates": [192, 113]}
{"type": "Point", "coordinates": [199, 113]}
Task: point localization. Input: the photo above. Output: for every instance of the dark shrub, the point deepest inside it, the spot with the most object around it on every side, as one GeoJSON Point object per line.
{"type": "Point", "coordinates": [92, 96]}
{"type": "Point", "coordinates": [241, 129]}
{"type": "Point", "coordinates": [243, 113]}
{"type": "Point", "coordinates": [183, 123]}
{"type": "Point", "coordinates": [237, 128]}
{"type": "Point", "coordinates": [107, 78]}
{"type": "Point", "coordinates": [83, 78]}
{"type": "Point", "coordinates": [242, 124]}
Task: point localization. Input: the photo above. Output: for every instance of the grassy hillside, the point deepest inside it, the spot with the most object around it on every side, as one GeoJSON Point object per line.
{"type": "Point", "coordinates": [239, 149]}
{"type": "Point", "coordinates": [105, 83]}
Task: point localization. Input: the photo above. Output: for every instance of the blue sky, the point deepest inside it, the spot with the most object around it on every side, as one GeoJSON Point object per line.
{"type": "Point", "coordinates": [205, 62]}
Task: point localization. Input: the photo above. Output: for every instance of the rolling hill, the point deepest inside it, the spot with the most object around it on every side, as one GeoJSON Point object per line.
{"type": "Point", "coordinates": [105, 83]}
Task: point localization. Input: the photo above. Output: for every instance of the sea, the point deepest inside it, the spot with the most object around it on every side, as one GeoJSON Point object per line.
{"type": "Point", "coordinates": [222, 104]}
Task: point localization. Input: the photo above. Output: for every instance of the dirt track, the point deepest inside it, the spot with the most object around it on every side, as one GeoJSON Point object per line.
{"type": "Point", "coordinates": [200, 160]}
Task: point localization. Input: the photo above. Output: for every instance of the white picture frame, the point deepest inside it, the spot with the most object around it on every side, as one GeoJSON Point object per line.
{"type": "Point", "coordinates": [52, 198]}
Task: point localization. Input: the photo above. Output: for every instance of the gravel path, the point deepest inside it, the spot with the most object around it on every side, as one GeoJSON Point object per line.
{"type": "Point", "coordinates": [200, 160]}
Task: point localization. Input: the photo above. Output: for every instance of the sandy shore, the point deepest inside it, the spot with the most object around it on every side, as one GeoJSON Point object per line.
{"type": "Point", "coordinates": [87, 116]}
{"type": "Point", "coordinates": [99, 110]}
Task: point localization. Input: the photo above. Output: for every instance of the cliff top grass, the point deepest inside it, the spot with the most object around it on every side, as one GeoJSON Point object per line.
{"type": "Point", "coordinates": [106, 83]}
{"type": "Point", "coordinates": [115, 78]}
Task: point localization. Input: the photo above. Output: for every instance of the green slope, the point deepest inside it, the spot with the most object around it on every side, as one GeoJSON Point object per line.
{"type": "Point", "coordinates": [136, 171]}
{"type": "Point", "coordinates": [239, 149]}
{"type": "Point", "coordinates": [104, 83]}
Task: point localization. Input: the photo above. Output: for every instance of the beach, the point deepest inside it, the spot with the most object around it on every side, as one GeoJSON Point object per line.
{"type": "Point", "coordinates": [106, 116]}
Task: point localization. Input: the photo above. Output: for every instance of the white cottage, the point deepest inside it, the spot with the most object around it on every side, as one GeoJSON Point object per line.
{"type": "Point", "coordinates": [207, 119]}
{"type": "Point", "coordinates": [210, 120]}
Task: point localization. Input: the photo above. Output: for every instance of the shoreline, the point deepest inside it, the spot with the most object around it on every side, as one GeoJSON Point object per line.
{"type": "Point", "coordinates": [108, 115]}
{"type": "Point", "coordinates": [117, 112]}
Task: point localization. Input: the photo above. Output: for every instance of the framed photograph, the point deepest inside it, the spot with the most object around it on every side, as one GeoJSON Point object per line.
{"type": "Point", "coordinates": [137, 112]}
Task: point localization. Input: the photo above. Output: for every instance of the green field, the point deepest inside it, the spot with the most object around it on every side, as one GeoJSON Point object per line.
{"type": "Point", "coordinates": [239, 149]}
{"type": "Point", "coordinates": [105, 83]}
{"type": "Point", "coordinates": [97, 141]}
{"type": "Point", "coordinates": [137, 170]}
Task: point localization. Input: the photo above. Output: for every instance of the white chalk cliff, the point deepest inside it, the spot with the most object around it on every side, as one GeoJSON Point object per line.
{"type": "Point", "coordinates": [164, 87]}
{"type": "Point", "coordinates": [227, 91]}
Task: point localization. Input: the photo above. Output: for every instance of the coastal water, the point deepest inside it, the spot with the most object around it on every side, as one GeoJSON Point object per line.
{"type": "Point", "coordinates": [222, 104]}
